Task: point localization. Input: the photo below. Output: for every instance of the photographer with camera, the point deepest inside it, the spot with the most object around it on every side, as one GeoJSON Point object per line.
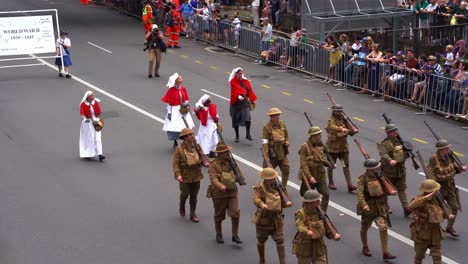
{"type": "Point", "coordinates": [155, 46]}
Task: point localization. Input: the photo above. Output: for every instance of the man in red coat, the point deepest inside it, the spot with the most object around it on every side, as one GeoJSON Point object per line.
{"type": "Point", "coordinates": [242, 102]}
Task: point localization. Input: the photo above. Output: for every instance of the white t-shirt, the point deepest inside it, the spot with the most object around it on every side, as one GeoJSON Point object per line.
{"type": "Point", "coordinates": [449, 59]}
{"type": "Point", "coordinates": [268, 29]}
{"type": "Point", "coordinates": [256, 3]}
{"type": "Point", "coordinates": [65, 41]}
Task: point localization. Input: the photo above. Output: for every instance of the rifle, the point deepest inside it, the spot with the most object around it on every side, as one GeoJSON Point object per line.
{"type": "Point", "coordinates": [388, 187]}
{"type": "Point", "coordinates": [278, 186]}
{"type": "Point", "coordinates": [407, 146]}
{"type": "Point", "coordinates": [458, 164]}
{"type": "Point", "coordinates": [251, 104]}
{"type": "Point", "coordinates": [353, 129]}
{"type": "Point", "coordinates": [322, 214]}
{"type": "Point", "coordinates": [332, 165]}
{"type": "Point", "coordinates": [445, 208]}
{"type": "Point", "coordinates": [205, 160]}
{"type": "Point", "coordinates": [232, 163]}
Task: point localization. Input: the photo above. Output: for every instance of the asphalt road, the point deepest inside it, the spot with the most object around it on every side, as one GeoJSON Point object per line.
{"type": "Point", "coordinates": [55, 208]}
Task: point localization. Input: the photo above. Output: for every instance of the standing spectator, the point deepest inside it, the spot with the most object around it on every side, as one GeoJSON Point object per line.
{"type": "Point", "coordinates": [335, 55]}
{"type": "Point", "coordinates": [349, 70]}
{"type": "Point", "coordinates": [267, 33]}
{"type": "Point", "coordinates": [242, 102]}
{"type": "Point", "coordinates": [397, 73]}
{"type": "Point", "coordinates": [460, 50]}
{"type": "Point", "coordinates": [147, 16]}
{"type": "Point", "coordinates": [155, 44]}
{"type": "Point", "coordinates": [433, 73]}
{"type": "Point", "coordinates": [187, 11]}
{"type": "Point", "coordinates": [448, 58]}
{"type": "Point", "coordinates": [419, 10]}
{"type": "Point", "coordinates": [456, 92]}
{"type": "Point", "coordinates": [282, 10]}
{"type": "Point", "coordinates": [440, 19]}
{"type": "Point", "coordinates": [178, 108]}
{"type": "Point", "coordinates": [236, 30]}
{"type": "Point", "coordinates": [173, 23]}
{"type": "Point", "coordinates": [430, 11]}
{"type": "Point", "coordinates": [90, 133]}
{"type": "Point", "coordinates": [63, 49]}
{"type": "Point", "coordinates": [345, 49]}
{"type": "Point", "coordinates": [464, 86]}
{"type": "Point", "coordinates": [266, 11]}
{"type": "Point", "coordinates": [275, 6]}
{"type": "Point", "coordinates": [373, 77]}
{"type": "Point", "coordinates": [255, 17]}
{"type": "Point", "coordinates": [206, 16]}
{"type": "Point", "coordinates": [411, 76]}
{"type": "Point", "coordinates": [293, 49]}
{"type": "Point", "coordinates": [302, 48]}
{"type": "Point", "coordinates": [461, 14]}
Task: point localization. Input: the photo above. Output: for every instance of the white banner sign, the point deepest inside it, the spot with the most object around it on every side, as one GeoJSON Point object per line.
{"type": "Point", "coordinates": [26, 35]}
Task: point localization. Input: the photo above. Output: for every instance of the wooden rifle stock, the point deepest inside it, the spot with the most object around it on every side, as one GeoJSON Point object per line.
{"type": "Point", "coordinates": [284, 197]}
{"type": "Point", "coordinates": [407, 146]}
{"type": "Point", "coordinates": [387, 186]}
{"type": "Point", "coordinates": [445, 208]}
{"type": "Point", "coordinates": [458, 163]}
{"type": "Point", "coordinates": [331, 164]}
{"type": "Point", "coordinates": [232, 162]}
{"type": "Point", "coordinates": [205, 160]}
{"type": "Point", "coordinates": [328, 223]}
{"type": "Point", "coordinates": [353, 129]}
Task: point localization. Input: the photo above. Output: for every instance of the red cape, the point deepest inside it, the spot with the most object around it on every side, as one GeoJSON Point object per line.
{"type": "Point", "coordinates": [202, 115]}
{"type": "Point", "coordinates": [172, 96]}
{"type": "Point", "coordinates": [86, 109]}
{"type": "Point", "coordinates": [236, 90]}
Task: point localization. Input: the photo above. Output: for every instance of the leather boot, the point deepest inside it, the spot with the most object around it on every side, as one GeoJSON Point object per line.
{"type": "Point", "coordinates": [261, 253]}
{"type": "Point", "coordinates": [219, 232]}
{"type": "Point", "coordinates": [331, 184]}
{"type": "Point", "coordinates": [365, 247]}
{"type": "Point", "coordinates": [450, 228]}
{"type": "Point", "coordinates": [281, 253]}
{"type": "Point", "coordinates": [235, 230]}
{"type": "Point", "coordinates": [236, 129]}
{"type": "Point", "coordinates": [384, 241]}
{"type": "Point", "coordinates": [193, 207]}
{"type": "Point", "coordinates": [404, 203]}
{"type": "Point", "coordinates": [347, 175]}
{"type": "Point", "coordinates": [182, 208]}
{"type": "Point", "coordinates": [247, 129]}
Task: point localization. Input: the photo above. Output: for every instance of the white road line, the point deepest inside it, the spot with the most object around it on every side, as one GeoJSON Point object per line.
{"type": "Point", "coordinates": [246, 162]}
{"type": "Point", "coordinates": [215, 94]}
{"type": "Point", "coordinates": [92, 44]}
{"type": "Point", "coordinates": [459, 187]}
{"type": "Point", "coordinates": [21, 65]}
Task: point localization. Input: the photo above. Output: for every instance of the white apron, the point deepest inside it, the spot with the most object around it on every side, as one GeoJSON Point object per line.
{"type": "Point", "coordinates": [176, 124]}
{"type": "Point", "coordinates": [207, 135]}
{"type": "Point", "coordinates": [90, 139]}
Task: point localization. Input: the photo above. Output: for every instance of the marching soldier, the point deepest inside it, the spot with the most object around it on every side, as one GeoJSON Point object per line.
{"type": "Point", "coordinates": [275, 143]}
{"type": "Point", "coordinates": [443, 171]}
{"type": "Point", "coordinates": [426, 231]}
{"type": "Point", "coordinates": [313, 161]}
{"type": "Point", "coordinates": [308, 243]}
{"type": "Point", "coordinates": [268, 218]}
{"type": "Point", "coordinates": [372, 207]}
{"type": "Point", "coordinates": [337, 146]}
{"type": "Point", "coordinates": [223, 191]}
{"type": "Point", "coordinates": [187, 171]}
{"type": "Point", "coordinates": [393, 159]}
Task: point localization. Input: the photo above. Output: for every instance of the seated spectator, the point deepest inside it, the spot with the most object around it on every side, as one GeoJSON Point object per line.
{"type": "Point", "coordinates": [411, 75]}
{"type": "Point", "coordinates": [397, 71]}
{"type": "Point", "coordinates": [270, 54]}
{"type": "Point", "coordinates": [431, 71]}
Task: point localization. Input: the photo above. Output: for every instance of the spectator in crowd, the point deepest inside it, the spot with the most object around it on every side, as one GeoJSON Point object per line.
{"type": "Point", "coordinates": [429, 10]}
{"type": "Point", "coordinates": [226, 28]}
{"type": "Point", "coordinates": [456, 93]}
{"type": "Point", "coordinates": [459, 50]}
{"type": "Point", "coordinates": [282, 10]}
{"type": "Point", "coordinates": [255, 5]}
{"type": "Point", "coordinates": [464, 87]}
{"type": "Point", "coordinates": [433, 73]}
{"type": "Point", "coordinates": [206, 16]}
{"type": "Point", "coordinates": [345, 50]}
{"type": "Point", "coordinates": [397, 71]}
{"type": "Point", "coordinates": [266, 11]}
{"type": "Point", "coordinates": [334, 56]}
{"type": "Point", "coordinates": [448, 58]}
{"type": "Point", "coordinates": [187, 10]}
{"type": "Point", "coordinates": [420, 10]}
{"type": "Point", "coordinates": [373, 77]}
{"type": "Point", "coordinates": [267, 33]}
{"type": "Point", "coordinates": [349, 70]}
{"type": "Point", "coordinates": [275, 6]}
{"type": "Point", "coordinates": [440, 18]}
{"type": "Point", "coordinates": [236, 31]}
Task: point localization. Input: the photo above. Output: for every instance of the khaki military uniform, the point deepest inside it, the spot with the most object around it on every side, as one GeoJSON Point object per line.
{"type": "Point", "coordinates": [310, 250]}
{"type": "Point", "coordinates": [443, 171]}
{"type": "Point", "coordinates": [187, 163]}
{"type": "Point", "coordinates": [370, 192]}
{"type": "Point", "coordinates": [426, 231]}
{"type": "Point", "coordinates": [391, 149]}
{"type": "Point", "coordinates": [274, 137]}
{"type": "Point", "coordinates": [313, 161]}
{"type": "Point", "coordinates": [337, 146]}
{"type": "Point", "coordinates": [221, 174]}
{"type": "Point", "coordinates": [268, 222]}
